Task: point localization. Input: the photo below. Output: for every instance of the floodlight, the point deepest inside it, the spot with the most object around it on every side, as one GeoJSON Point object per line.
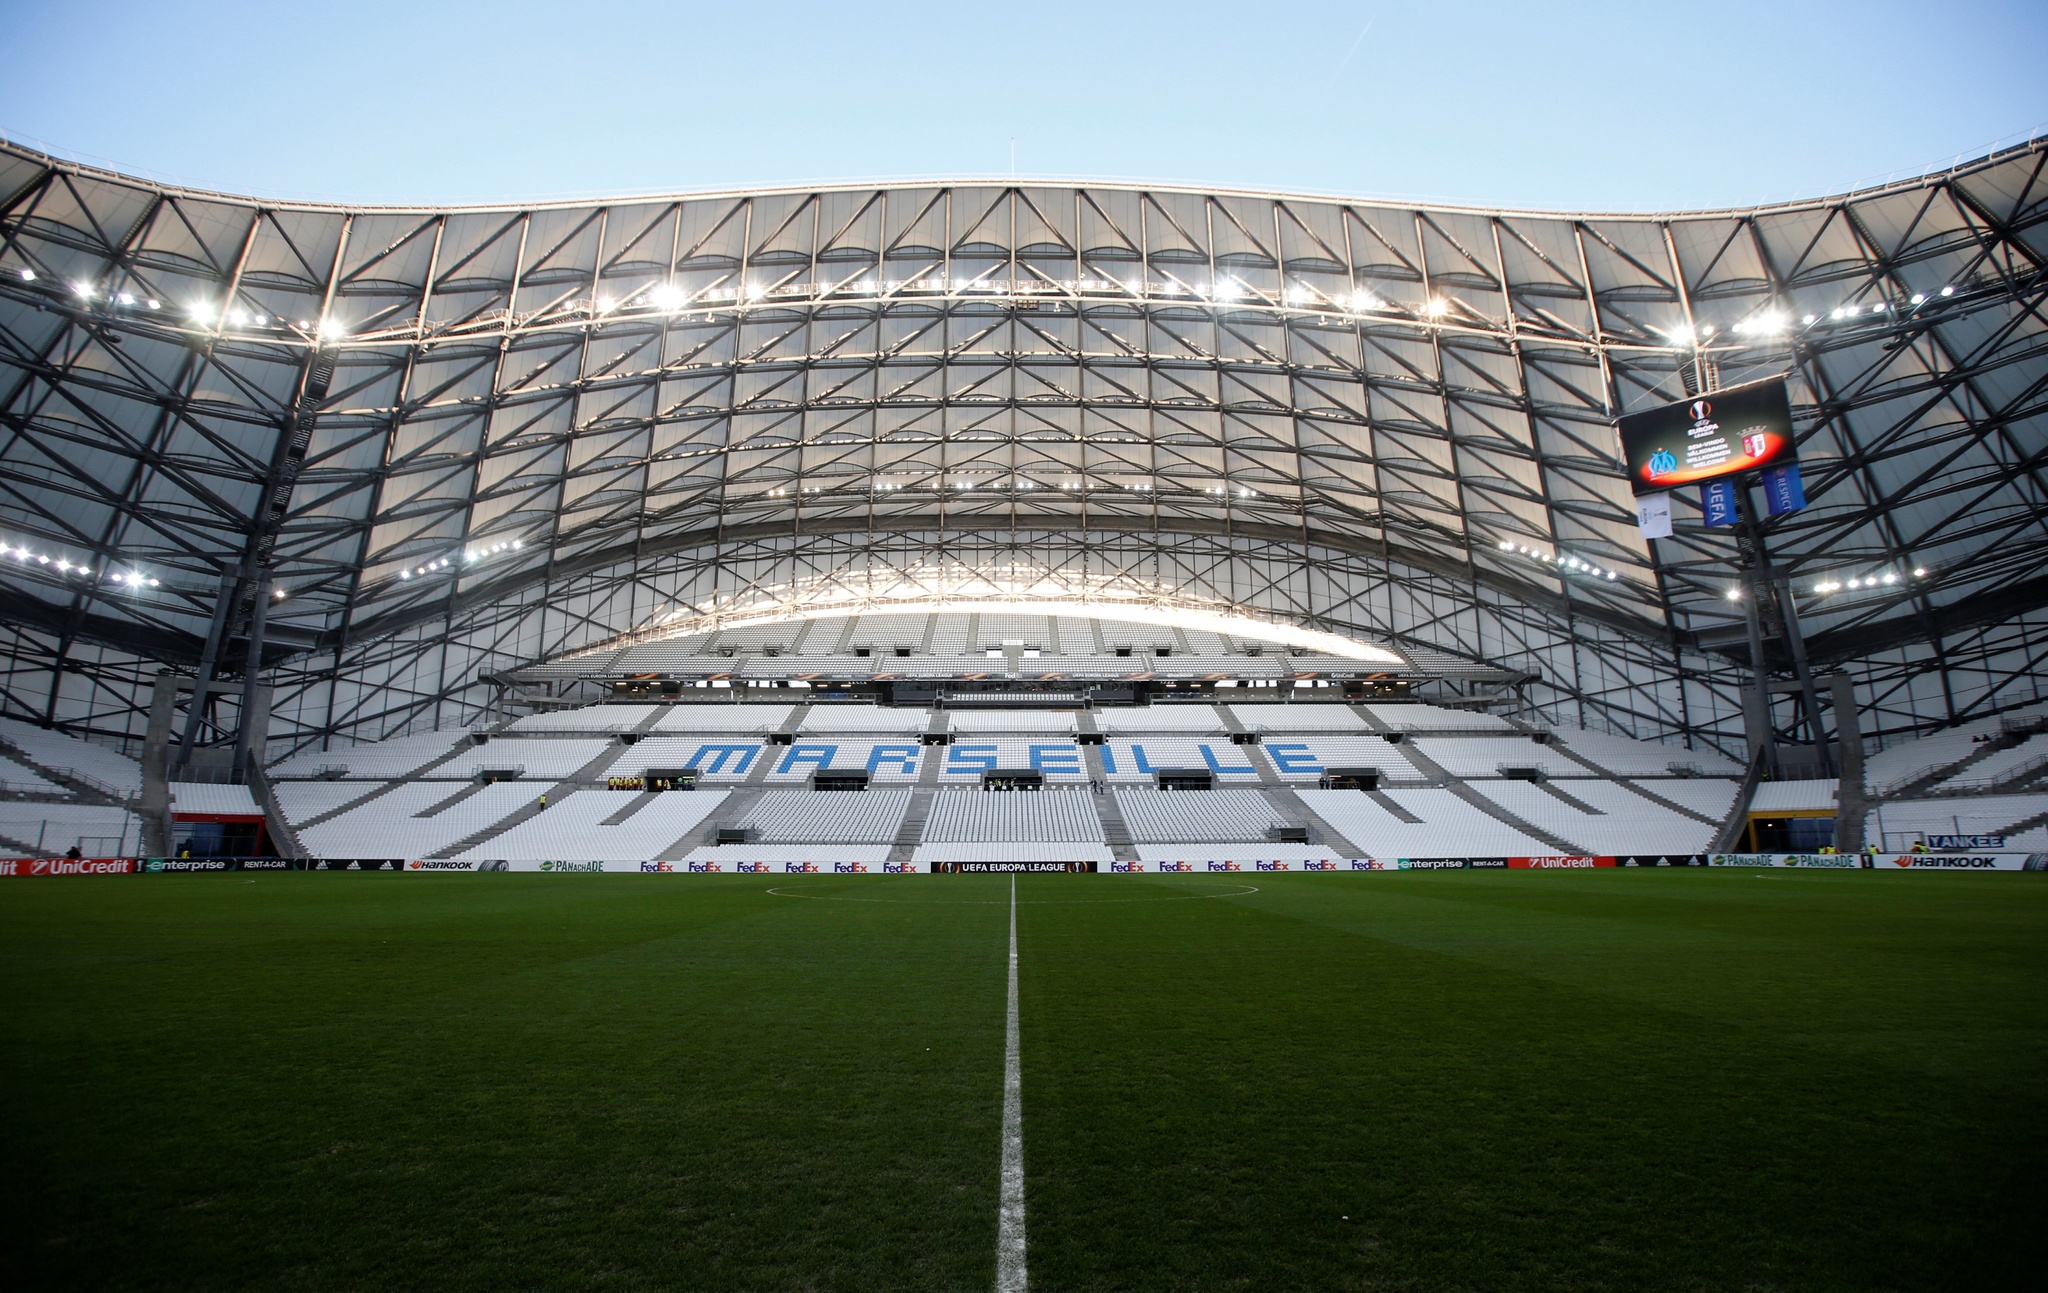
{"type": "Point", "coordinates": [667, 296]}
{"type": "Point", "coordinates": [1919, 572]}
{"type": "Point", "coordinates": [1919, 298]}
{"type": "Point", "coordinates": [28, 275]}
{"type": "Point", "coordinates": [83, 289]}
{"type": "Point", "coordinates": [1735, 594]}
{"type": "Point", "coordinates": [1948, 291]}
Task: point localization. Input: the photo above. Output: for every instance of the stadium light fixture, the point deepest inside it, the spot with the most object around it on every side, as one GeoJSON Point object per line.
{"type": "Point", "coordinates": [1437, 307]}
{"type": "Point", "coordinates": [333, 329]}
{"type": "Point", "coordinates": [124, 298]}
{"type": "Point", "coordinates": [1682, 335]}
{"type": "Point", "coordinates": [28, 275]}
{"type": "Point", "coordinates": [83, 289]}
{"type": "Point", "coordinates": [1810, 320]}
{"type": "Point", "coordinates": [1919, 572]}
{"type": "Point", "coordinates": [1919, 298]}
{"type": "Point", "coordinates": [667, 297]}
{"type": "Point", "coordinates": [1735, 594]}
{"type": "Point", "coordinates": [1948, 291]}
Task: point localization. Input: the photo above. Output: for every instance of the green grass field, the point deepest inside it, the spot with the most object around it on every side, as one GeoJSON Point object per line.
{"type": "Point", "coordinates": [1621, 1080]}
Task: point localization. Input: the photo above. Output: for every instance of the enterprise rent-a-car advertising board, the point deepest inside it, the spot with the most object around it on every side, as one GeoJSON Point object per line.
{"type": "Point", "coordinates": [1742, 428]}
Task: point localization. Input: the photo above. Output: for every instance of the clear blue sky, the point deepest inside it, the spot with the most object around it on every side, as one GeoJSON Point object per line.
{"type": "Point", "coordinates": [1604, 106]}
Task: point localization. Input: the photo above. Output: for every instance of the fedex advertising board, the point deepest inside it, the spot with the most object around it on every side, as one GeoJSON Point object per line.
{"type": "Point", "coordinates": [1742, 428]}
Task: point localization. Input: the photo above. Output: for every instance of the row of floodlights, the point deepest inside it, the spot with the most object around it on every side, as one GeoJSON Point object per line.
{"type": "Point", "coordinates": [885, 486]}
{"type": "Point", "coordinates": [1773, 323]}
{"type": "Point", "coordinates": [199, 312]}
{"type": "Point", "coordinates": [78, 569]}
{"type": "Point", "coordinates": [668, 297]}
{"type": "Point", "coordinates": [1882, 579]}
{"type": "Point", "coordinates": [1569, 564]}
{"type": "Point", "coordinates": [470, 556]}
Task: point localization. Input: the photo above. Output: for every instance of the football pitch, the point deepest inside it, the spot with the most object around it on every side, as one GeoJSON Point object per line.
{"type": "Point", "coordinates": [1680, 1079]}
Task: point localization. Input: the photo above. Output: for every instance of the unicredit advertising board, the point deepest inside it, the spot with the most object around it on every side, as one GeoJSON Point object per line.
{"type": "Point", "coordinates": [1742, 428]}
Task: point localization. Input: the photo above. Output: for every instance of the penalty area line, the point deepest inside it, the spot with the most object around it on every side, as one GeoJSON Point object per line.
{"type": "Point", "coordinates": [1010, 1212]}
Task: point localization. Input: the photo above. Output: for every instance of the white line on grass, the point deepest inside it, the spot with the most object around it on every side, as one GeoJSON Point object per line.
{"type": "Point", "coordinates": [1010, 1214]}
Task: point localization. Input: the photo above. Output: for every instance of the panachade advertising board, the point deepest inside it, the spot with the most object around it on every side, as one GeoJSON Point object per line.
{"type": "Point", "coordinates": [1742, 428]}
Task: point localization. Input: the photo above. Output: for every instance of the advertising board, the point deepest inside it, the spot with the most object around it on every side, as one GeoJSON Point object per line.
{"type": "Point", "coordinates": [1739, 429]}
{"type": "Point", "coordinates": [26, 867]}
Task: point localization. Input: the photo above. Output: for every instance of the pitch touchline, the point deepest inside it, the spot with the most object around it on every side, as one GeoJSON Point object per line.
{"type": "Point", "coordinates": [1010, 1212]}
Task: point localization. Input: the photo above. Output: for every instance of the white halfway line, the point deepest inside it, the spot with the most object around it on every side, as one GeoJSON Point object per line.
{"type": "Point", "coordinates": [1010, 1214]}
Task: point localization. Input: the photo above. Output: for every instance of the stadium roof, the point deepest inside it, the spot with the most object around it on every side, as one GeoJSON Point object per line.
{"type": "Point", "coordinates": [403, 416]}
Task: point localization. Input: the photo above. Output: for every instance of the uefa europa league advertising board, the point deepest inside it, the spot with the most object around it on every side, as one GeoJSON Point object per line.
{"type": "Point", "coordinates": [1742, 428]}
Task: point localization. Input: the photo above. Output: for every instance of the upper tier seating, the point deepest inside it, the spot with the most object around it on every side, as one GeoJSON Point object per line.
{"type": "Point", "coordinates": [1055, 758]}
{"type": "Point", "coordinates": [1625, 822]}
{"type": "Point", "coordinates": [1904, 820]}
{"type": "Point", "coordinates": [1450, 827]}
{"type": "Point", "coordinates": [806, 817]}
{"type": "Point", "coordinates": [1626, 757]}
{"type": "Point", "coordinates": [95, 764]}
{"type": "Point", "coordinates": [717, 756]}
{"type": "Point", "coordinates": [1161, 718]}
{"type": "Point", "coordinates": [1188, 817]}
{"type": "Point", "coordinates": [823, 857]}
{"type": "Point", "coordinates": [1908, 760]}
{"type": "Point", "coordinates": [1485, 756]}
{"type": "Point", "coordinates": [214, 797]}
{"type": "Point", "coordinates": [1997, 765]}
{"type": "Point", "coordinates": [19, 776]}
{"type": "Point", "coordinates": [864, 718]}
{"type": "Point", "coordinates": [1042, 816]}
{"type": "Point", "coordinates": [754, 719]}
{"type": "Point", "coordinates": [1308, 717]}
{"type": "Point", "coordinates": [1022, 720]}
{"type": "Point", "coordinates": [301, 801]}
{"type": "Point", "coordinates": [1709, 796]}
{"type": "Point", "coordinates": [375, 760]}
{"type": "Point", "coordinates": [389, 827]}
{"type": "Point", "coordinates": [573, 828]}
{"type": "Point", "coordinates": [1307, 757]}
{"type": "Point", "coordinates": [49, 830]}
{"type": "Point", "coordinates": [543, 758]}
{"type": "Point", "coordinates": [895, 759]}
{"type": "Point", "coordinates": [1014, 851]}
{"type": "Point", "coordinates": [588, 718]}
{"type": "Point", "coordinates": [1429, 718]}
{"type": "Point", "coordinates": [1137, 760]}
{"type": "Point", "coordinates": [993, 630]}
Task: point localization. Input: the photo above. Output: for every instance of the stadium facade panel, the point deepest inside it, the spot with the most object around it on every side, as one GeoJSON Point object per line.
{"type": "Point", "coordinates": [411, 448]}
